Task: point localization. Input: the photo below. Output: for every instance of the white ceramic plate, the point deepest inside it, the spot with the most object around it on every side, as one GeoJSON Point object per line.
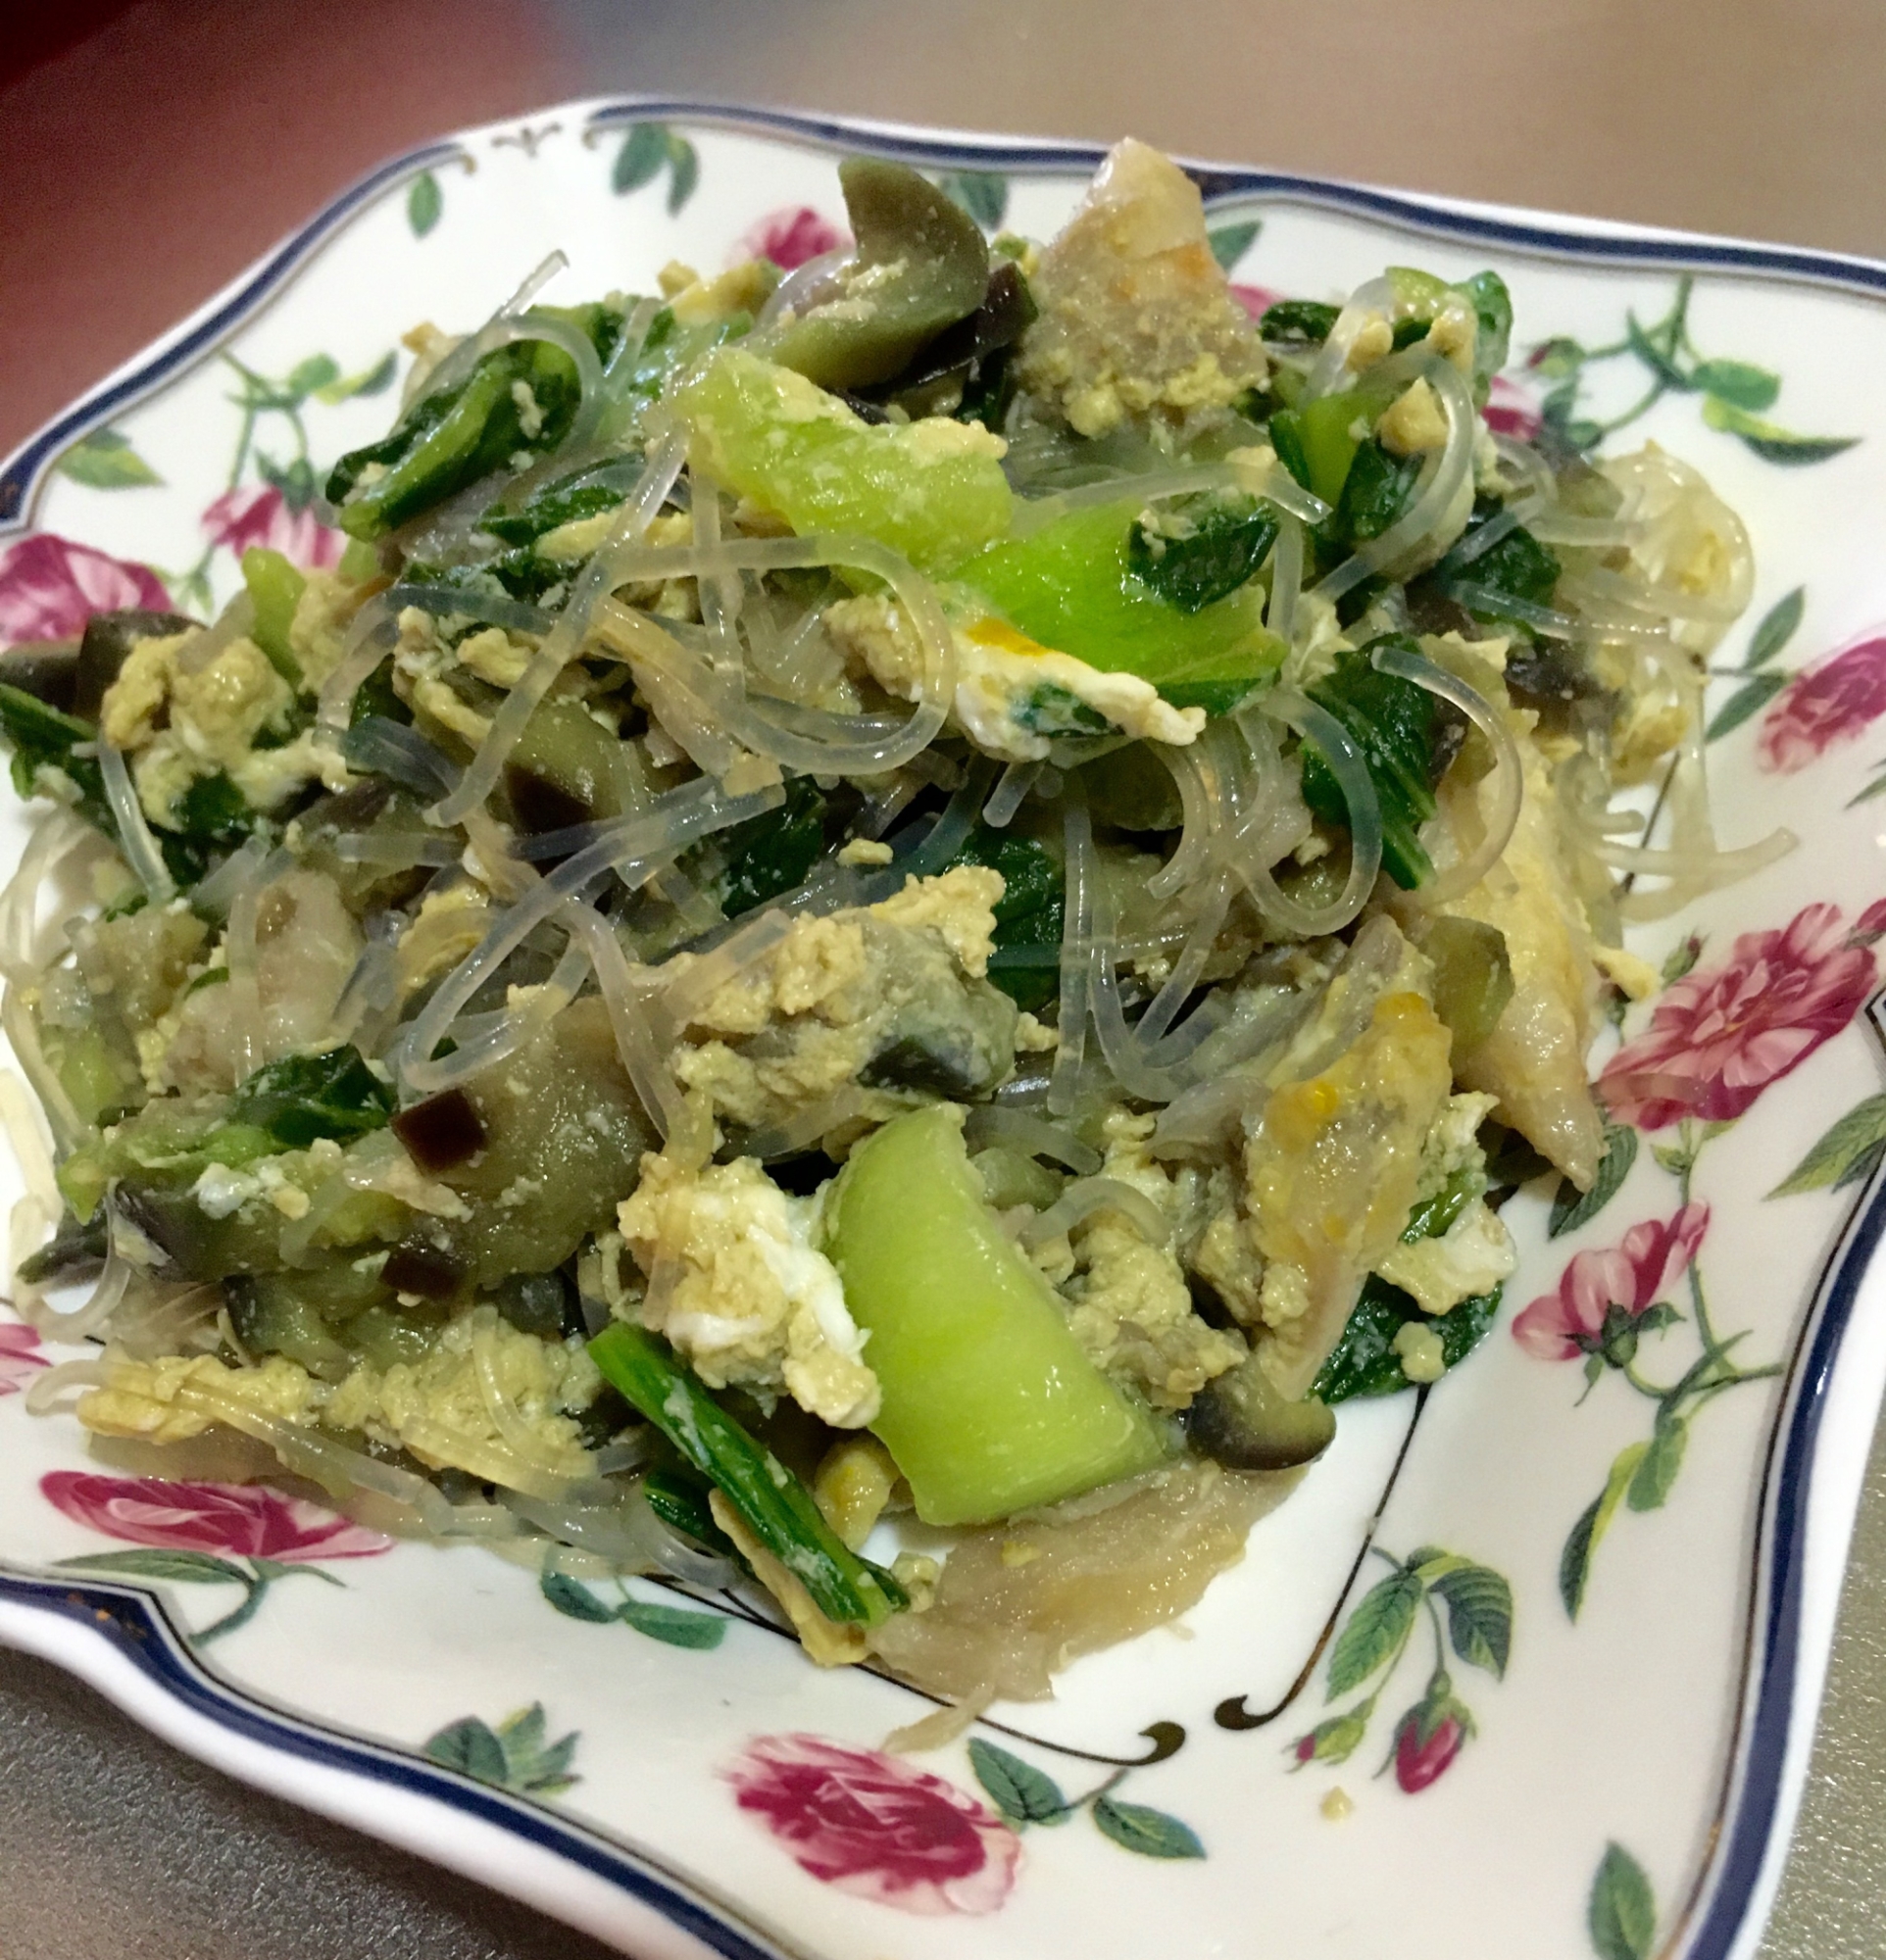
{"type": "Point", "coordinates": [1519, 1780]}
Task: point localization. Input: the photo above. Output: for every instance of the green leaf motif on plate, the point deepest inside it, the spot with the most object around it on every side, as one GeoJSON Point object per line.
{"type": "Point", "coordinates": [1651, 1481]}
{"type": "Point", "coordinates": [685, 173]}
{"type": "Point", "coordinates": [1622, 1912]}
{"type": "Point", "coordinates": [1479, 1616]}
{"type": "Point", "coordinates": [575, 1601]}
{"type": "Point", "coordinates": [643, 153]}
{"type": "Point", "coordinates": [1776, 629]}
{"type": "Point", "coordinates": [1846, 1154]}
{"type": "Point", "coordinates": [424, 204]}
{"type": "Point", "coordinates": [1739, 383]}
{"type": "Point", "coordinates": [1749, 699]}
{"type": "Point", "coordinates": [1231, 242]}
{"type": "Point", "coordinates": [106, 461]}
{"type": "Point", "coordinates": [1377, 1632]}
{"type": "Point", "coordinates": [984, 194]}
{"type": "Point", "coordinates": [1137, 1827]}
{"type": "Point", "coordinates": [1581, 1544]}
{"type": "Point", "coordinates": [174, 1568]}
{"type": "Point", "coordinates": [648, 149]}
{"type": "Point", "coordinates": [1022, 1793]}
{"type": "Point", "coordinates": [374, 381]}
{"type": "Point", "coordinates": [470, 1747]}
{"type": "Point", "coordinates": [1770, 440]}
{"type": "Point", "coordinates": [1574, 1207]}
{"type": "Point", "coordinates": [674, 1625]}
{"type": "Point", "coordinates": [516, 1755]}
{"type": "Point", "coordinates": [1681, 958]}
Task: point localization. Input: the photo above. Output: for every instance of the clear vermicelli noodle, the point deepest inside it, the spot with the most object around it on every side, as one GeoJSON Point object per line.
{"type": "Point", "coordinates": [866, 899]}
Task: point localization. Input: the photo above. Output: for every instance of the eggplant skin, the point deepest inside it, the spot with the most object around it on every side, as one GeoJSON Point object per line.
{"type": "Point", "coordinates": [46, 669]}
{"type": "Point", "coordinates": [1241, 1421]}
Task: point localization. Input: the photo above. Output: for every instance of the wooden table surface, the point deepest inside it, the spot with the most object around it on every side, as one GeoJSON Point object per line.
{"type": "Point", "coordinates": [148, 164]}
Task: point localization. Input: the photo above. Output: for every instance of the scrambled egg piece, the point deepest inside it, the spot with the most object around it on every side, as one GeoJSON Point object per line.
{"type": "Point", "coordinates": [323, 617]}
{"type": "Point", "coordinates": [1131, 1309]}
{"type": "Point", "coordinates": [1413, 422]}
{"type": "Point", "coordinates": [485, 1398]}
{"type": "Point", "coordinates": [177, 724]}
{"type": "Point", "coordinates": [1012, 695]}
{"type": "Point", "coordinates": [873, 999]}
{"type": "Point", "coordinates": [1475, 1253]}
{"type": "Point", "coordinates": [181, 1395]}
{"type": "Point", "coordinates": [751, 1299]}
{"type": "Point", "coordinates": [700, 302]}
{"type": "Point", "coordinates": [1137, 319]}
{"type": "Point", "coordinates": [420, 661]}
{"type": "Point", "coordinates": [1473, 1256]}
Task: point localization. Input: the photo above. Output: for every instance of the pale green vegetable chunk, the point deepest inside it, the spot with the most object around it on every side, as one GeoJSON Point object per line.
{"type": "Point", "coordinates": [932, 489]}
{"type": "Point", "coordinates": [989, 1404]}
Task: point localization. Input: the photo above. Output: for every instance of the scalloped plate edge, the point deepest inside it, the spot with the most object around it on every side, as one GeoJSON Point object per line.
{"type": "Point", "coordinates": [119, 1641]}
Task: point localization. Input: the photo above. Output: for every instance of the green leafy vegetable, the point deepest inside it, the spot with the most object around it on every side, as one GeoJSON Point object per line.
{"type": "Point", "coordinates": [1493, 308]}
{"type": "Point", "coordinates": [1391, 722]}
{"type": "Point", "coordinates": [1029, 916]}
{"type": "Point", "coordinates": [774, 1505]}
{"type": "Point", "coordinates": [1318, 442]}
{"type": "Point", "coordinates": [43, 739]}
{"type": "Point", "coordinates": [303, 1096]}
{"type": "Point", "coordinates": [1304, 321]}
{"type": "Point", "coordinates": [1202, 550]}
{"type": "Point", "coordinates": [1377, 488]}
{"type": "Point", "coordinates": [679, 1499]}
{"type": "Point", "coordinates": [1364, 1361]}
{"type": "Point", "coordinates": [580, 495]}
{"type": "Point", "coordinates": [775, 851]}
{"type": "Point", "coordinates": [451, 437]}
{"type": "Point", "coordinates": [1518, 567]}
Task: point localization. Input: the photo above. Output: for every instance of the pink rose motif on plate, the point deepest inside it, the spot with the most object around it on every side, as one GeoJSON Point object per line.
{"type": "Point", "coordinates": [50, 586]}
{"type": "Point", "coordinates": [1564, 1325]}
{"type": "Point", "coordinates": [792, 236]}
{"type": "Point", "coordinates": [1512, 409]}
{"type": "Point", "coordinates": [875, 1827]}
{"type": "Point", "coordinates": [259, 515]}
{"type": "Point", "coordinates": [19, 1355]}
{"type": "Point", "coordinates": [1721, 1035]}
{"type": "Point", "coordinates": [1832, 703]}
{"type": "Point", "coordinates": [239, 1520]}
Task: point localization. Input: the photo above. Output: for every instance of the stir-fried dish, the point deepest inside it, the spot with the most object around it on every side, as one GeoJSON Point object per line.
{"type": "Point", "coordinates": [885, 931]}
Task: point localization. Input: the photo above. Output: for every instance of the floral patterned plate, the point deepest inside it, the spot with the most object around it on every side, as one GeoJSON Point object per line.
{"type": "Point", "coordinates": [1529, 1664]}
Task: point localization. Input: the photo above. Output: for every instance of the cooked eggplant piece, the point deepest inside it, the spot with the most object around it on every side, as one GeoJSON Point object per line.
{"type": "Point", "coordinates": [1242, 1421]}
{"type": "Point", "coordinates": [46, 669]}
{"type": "Point", "coordinates": [921, 266]}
